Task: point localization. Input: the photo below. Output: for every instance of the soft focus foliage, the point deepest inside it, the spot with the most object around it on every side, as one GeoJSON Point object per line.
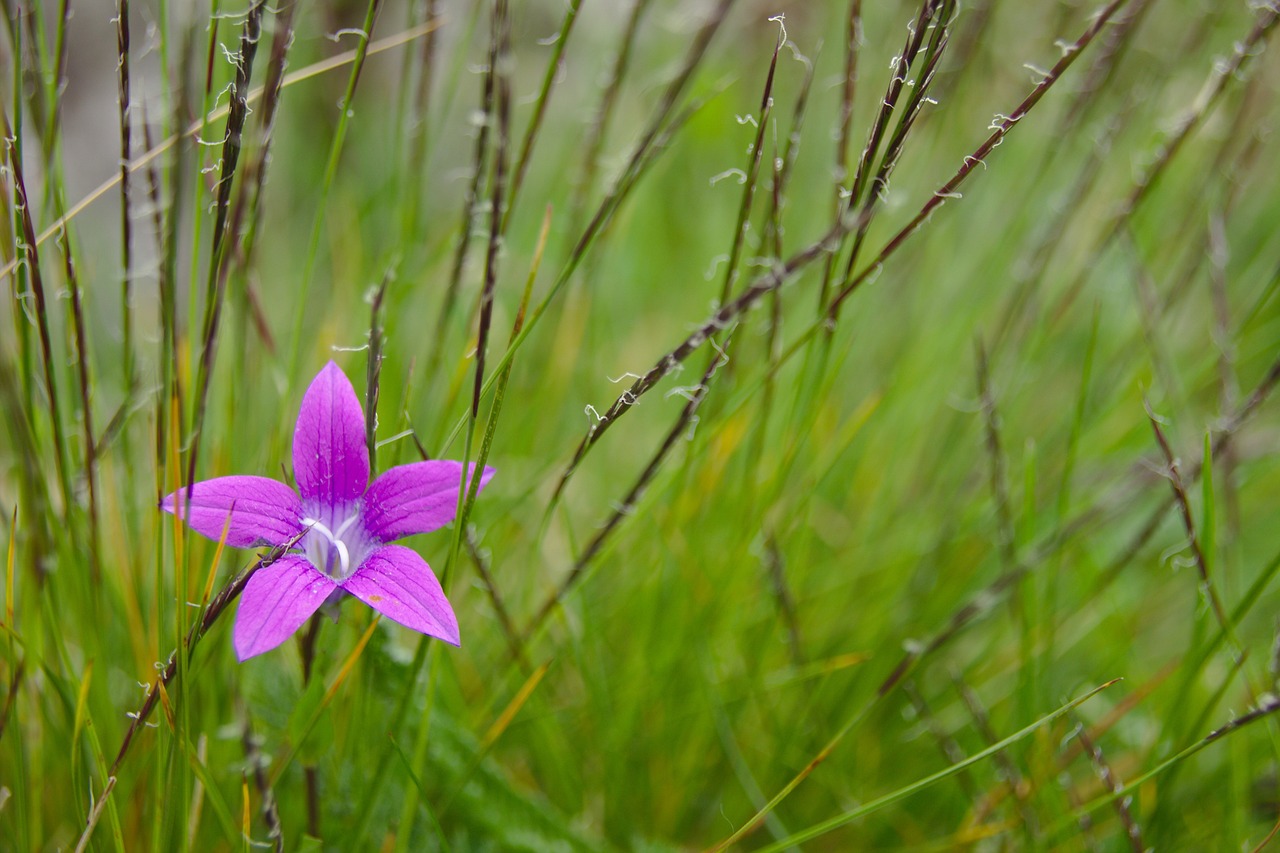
{"type": "Point", "coordinates": [898, 494]}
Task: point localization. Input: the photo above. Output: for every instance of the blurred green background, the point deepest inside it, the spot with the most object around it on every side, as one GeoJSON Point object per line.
{"type": "Point", "coordinates": [880, 545]}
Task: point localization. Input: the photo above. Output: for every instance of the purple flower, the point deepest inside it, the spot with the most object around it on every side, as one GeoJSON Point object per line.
{"type": "Point", "coordinates": [344, 522]}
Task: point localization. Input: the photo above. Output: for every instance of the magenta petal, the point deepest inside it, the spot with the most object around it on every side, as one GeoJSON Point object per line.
{"type": "Point", "coordinates": [330, 458]}
{"type": "Point", "coordinates": [415, 498]}
{"type": "Point", "coordinates": [276, 602]}
{"type": "Point", "coordinates": [399, 584]}
{"type": "Point", "coordinates": [263, 511]}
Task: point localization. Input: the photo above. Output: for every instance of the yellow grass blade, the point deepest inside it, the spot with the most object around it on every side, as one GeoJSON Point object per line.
{"type": "Point", "coordinates": [513, 707]}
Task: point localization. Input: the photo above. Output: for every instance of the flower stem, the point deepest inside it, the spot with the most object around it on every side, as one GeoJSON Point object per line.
{"type": "Point", "coordinates": [308, 643]}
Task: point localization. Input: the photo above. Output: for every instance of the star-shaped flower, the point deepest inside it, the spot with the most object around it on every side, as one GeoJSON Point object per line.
{"type": "Point", "coordinates": [344, 523]}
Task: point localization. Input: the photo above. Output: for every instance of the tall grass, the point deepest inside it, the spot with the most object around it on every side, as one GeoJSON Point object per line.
{"type": "Point", "coordinates": [879, 394]}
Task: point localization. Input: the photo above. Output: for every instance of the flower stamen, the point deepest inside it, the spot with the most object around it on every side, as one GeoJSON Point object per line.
{"type": "Point", "coordinates": [346, 525]}
{"type": "Point", "coordinates": [344, 556]}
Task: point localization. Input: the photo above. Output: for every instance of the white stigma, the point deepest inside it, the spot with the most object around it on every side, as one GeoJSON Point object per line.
{"type": "Point", "coordinates": [335, 539]}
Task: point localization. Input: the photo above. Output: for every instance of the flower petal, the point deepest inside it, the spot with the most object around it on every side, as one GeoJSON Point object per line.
{"type": "Point", "coordinates": [399, 584]}
{"type": "Point", "coordinates": [277, 601]}
{"type": "Point", "coordinates": [263, 511]}
{"type": "Point", "coordinates": [415, 498]}
{"type": "Point", "coordinates": [330, 458]}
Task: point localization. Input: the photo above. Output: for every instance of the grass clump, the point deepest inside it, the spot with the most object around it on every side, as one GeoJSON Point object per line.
{"type": "Point", "coordinates": [880, 395]}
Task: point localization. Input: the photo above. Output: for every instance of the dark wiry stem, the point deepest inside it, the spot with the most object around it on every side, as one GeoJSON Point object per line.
{"type": "Point", "coordinates": [31, 255]}
{"type": "Point", "coordinates": [774, 564]}
{"type": "Point", "coordinates": [540, 109]}
{"type": "Point", "coordinates": [373, 372]}
{"type": "Point", "coordinates": [978, 157]}
{"type": "Point", "coordinates": [499, 608]}
{"type": "Point", "coordinates": [951, 750]}
{"type": "Point", "coordinates": [1188, 523]}
{"type": "Point", "coordinates": [470, 205]}
{"type": "Point", "coordinates": [249, 201]}
{"type": "Point", "coordinates": [126, 153]}
{"type": "Point", "coordinates": [753, 172]}
{"type": "Point", "coordinates": [1007, 769]}
{"type": "Point", "coordinates": [867, 191]}
{"type": "Point", "coordinates": [598, 129]}
{"type": "Point", "coordinates": [86, 410]}
{"type": "Point", "coordinates": [849, 88]}
{"type": "Point", "coordinates": [419, 136]}
{"type": "Point", "coordinates": [308, 646]}
{"type": "Point", "coordinates": [999, 483]}
{"type": "Point", "coordinates": [783, 271]}
{"type": "Point", "coordinates": [1214, 86]}
{"type": "Point", "coordinates": [1108, 777]}
{"type": "Point", "coordinates": [499, 52]}
{"type": "Point", "coordinates": [214, 288]}
{"type": "Point", "coordinates": [628, 504]}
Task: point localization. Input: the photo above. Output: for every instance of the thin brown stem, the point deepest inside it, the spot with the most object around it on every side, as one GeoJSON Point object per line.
{"type": "Point", "coordinates": [540, 109]}
{"type": "Point", "coordinates": [599, 126]}
{"type": "Point", "coordinates": [373, 372]}
{"type": "Point", "coordinates": [628, 505]}
{"type": "Point", "coordinates": [1214, 86]}
{"type": "Point", "coordinates": [86, 410]}
{"type": "Point", "coordinates": [755, 155]}
{"type": "Point", "coordinates": [22, 202]}
{"type": "Point", "coordinates": [995, 458]}
{"type": "Point", "coordinates": [777, 571]}
{"type": "Point", "coordinates": [307, 644]}
{"type": "Point", "coordinates": [1188, 522]}
{"type": "Point", "coordinates": [126, 156]}
{"type": "Point", "coordinates": [481, 562]}
{"type": "Point", "coordinates": [500, 48]}
{"type": "Point", "coordinates": [1114, 785]}
{"type": "Point", "coordinates": [785, 270]}
{"type": "Point", "coordinates": [1009, 772]}
{"type": "Point", "coordinates": [215, 284]}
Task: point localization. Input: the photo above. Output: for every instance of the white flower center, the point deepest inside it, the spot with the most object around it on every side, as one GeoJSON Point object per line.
{"type": "Point", "coordinates": [328, 550]}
